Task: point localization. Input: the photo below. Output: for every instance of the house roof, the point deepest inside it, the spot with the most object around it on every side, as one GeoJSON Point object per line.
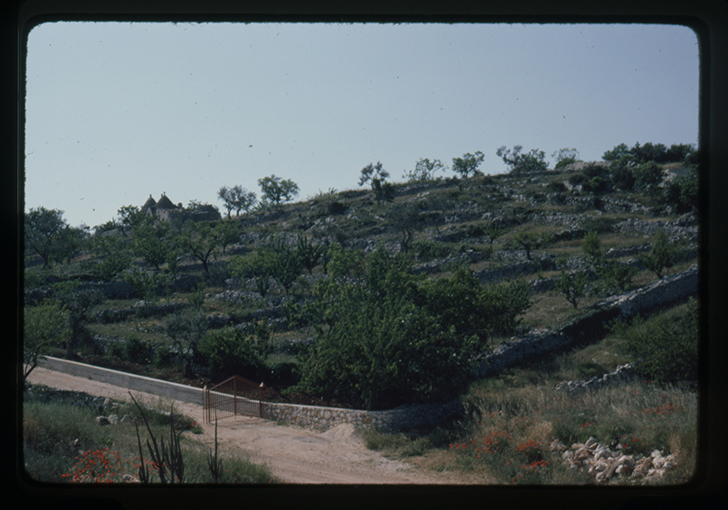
{"type": "Point", "coordinates": [165, 203]}
{"type": "Point", "coordinates": [150, 203]}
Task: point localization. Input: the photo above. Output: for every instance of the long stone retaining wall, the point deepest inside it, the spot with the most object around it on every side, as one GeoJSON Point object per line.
{"type": "Point", "coordinates": [591, 325]}
{"type": "Point", "coordinates": [321, 418]}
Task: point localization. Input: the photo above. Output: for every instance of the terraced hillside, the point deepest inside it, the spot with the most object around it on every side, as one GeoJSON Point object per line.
{"type": "Point", "coordinates": [355, 300]}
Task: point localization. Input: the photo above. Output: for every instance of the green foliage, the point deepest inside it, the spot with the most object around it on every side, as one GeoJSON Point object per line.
{"type": "Point", "coordinates": [70, 243]}
{"type": "Point", "coordinates": [383, 190]}
{"type": "Point", "coordinates": [665, 346]}
{"type": "Point", "coordinates": [382, 340]}
{"type": "Point", "coordinates": [43, 326]}
{"type": "Point", "coordinates": [186, 333]}
{"type": "Point", "coordinates": [110, 258]}
{"type": "Point", "coordinates": [592, 248]}
{"type": "Point", "coordinates": [343, 262]}
{"type": "Point", "coordinates": [258, 265]}
{"type": "Point", "coordinates": [596, 179]}
{"type": "Point", "coordinates": [468, 164]}
{"type": "Point", "coordinates": [48, 431]}
{"type": "Point", "coordinates": [201, 240]}
{"type": "Point", "coordinates": [462, 304]}
{"type": "Point", "coordinates": [424, 171]}
{"type": "Point", "coordinates": [573, 286]}
{"type": "Point", "coordinates": [405, 218]}
{"type": "Point", "coordinates": [657, 153]}
{"type": "Point", "coordinates": [43, 229]}
{"type": "Point", "coordinates": [616, 276]}
{"type": "Point", "coordinates": [621, 172]}
{"type": "Point", "coordinates": [78, 303]}
{"type": "Point", "coordinates": [130, 216]}
{"type": "Point", "coordinates": [276, 190]}
{"type": "Point", "coordinates": [529, 240]}
{"type": "Point", "coordinates": [286, 264]}
{"type": "Point", "coordinates": [565, 157]}
{"type": "Point", "coordinates": [662, 255]}
{"type": "Point", "coordinates": [619, 151]}
{"type": "Point", "coordinates": [138, 350]}
{"type": "Point", "coordinates": [308, 252]}
{"type": "Point", "coordinates": [237, 198]}
{"type": "Point", "coordinates": [146, 284]}
{"type": "Point", "coordinates": [648, 176]}
{"type": "Point", "coordinates": [528, 162]}
{"type": "Point", "coordinates": [682, 192]}
{"type": "Point", "coordinates": [556, 187]}
{"type": "Point", "coordinates": [430, 250]}
{"type": "Point", "coordinates": [228, 352]}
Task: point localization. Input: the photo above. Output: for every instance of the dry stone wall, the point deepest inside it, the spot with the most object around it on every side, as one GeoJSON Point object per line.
{"type": "Point", "coordinates": [590, 327]}
{"type": "Point", "coordinates": [401, 418]}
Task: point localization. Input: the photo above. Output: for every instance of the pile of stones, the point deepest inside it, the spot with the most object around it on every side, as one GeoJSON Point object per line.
{"type": "Point", "coordinates": [613, 465]}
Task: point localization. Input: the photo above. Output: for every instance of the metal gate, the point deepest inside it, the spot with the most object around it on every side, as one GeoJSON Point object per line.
{"type": "Point", "coordinates": [232, 397]}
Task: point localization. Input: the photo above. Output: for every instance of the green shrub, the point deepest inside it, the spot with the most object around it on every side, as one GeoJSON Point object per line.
{"type": "Point", "coordinates": [662, 255]}
{"type": "Point", "coordinates": [281, 371]}
{"type": "Point", "coordinates": [138, 350]}
{"type": "Point", "coordinates": [665, 347]}
{"type": "Point", "coordinates": [622, 175]}
{"type": "Point", "coordinates": [430, 250]}
{"type": "Point", "coordinates": [556, 187]}
{"type": "Point", "coordinates": [164, 356]}
{"type": "Point", "coordinates": [228, 352]}
{"type": "Point", "coordinates": [577, 179]}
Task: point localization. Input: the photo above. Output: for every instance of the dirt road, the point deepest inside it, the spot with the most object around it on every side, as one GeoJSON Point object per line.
{"type": "Point", "coordinates": [294, 454]}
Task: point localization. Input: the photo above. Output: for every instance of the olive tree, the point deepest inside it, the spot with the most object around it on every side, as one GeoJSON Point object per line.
{"type": "Point", "coordinates": [383, 191]}
{"type": "Point", "coordinates": [532, 161]}
{"type": "Point", "coordinates": [236, 198]}
{"type": "Point", "coordinates": [43, 229]}
{"type": "Point", "coordinates": [276, 190]}
{"type": "Point", "coordinates": [43, 326]}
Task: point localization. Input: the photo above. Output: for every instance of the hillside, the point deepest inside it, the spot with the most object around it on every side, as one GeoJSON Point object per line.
{"type": "Point", "coordinates": [350, 300]}
{"type": "Point", "coordinates": [441, 226]}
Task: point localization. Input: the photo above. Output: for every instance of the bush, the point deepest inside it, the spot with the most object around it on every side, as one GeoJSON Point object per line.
{"type": "Point", "coordinates": [228, 352]}
{"type": "Point", "coordinates": [662, 255]}
{"type": "Point", "coordinates": [556, 187]}
{"type": "Point", "coordinates": [430, 250]}
{"type": "Point", "coordinates": [622, 175]}
{"type": "Point", "coordinates": [164, 356]}
{"type": "Point", "coordinates": [282, 372]}
{"type": "Point", "coordinates": [138, 350]}
{"type": "Point", "coordinates": [665, 347]}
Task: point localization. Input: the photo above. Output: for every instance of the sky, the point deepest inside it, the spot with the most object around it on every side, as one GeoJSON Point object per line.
{"type": "Point", "coordinates": [116, 112]}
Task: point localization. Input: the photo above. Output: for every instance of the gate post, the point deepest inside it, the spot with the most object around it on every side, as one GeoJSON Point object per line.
{"type": "Point", "coordinates": [260, 400]}
{"type": "Point", "coordinates": [205, 404]}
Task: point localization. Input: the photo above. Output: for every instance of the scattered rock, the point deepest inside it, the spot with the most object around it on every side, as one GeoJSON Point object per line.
{"type": "Point", "coordinates": [102, 420]}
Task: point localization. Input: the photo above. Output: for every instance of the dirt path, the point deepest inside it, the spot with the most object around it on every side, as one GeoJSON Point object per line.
{"type": "Point", "coordinates": [294, 454]}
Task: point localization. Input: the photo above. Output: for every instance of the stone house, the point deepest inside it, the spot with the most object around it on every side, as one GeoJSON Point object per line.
{"type": "Point", "coordinates": [164, 209]}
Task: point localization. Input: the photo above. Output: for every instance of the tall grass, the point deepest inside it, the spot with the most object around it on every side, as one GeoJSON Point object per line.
{"type": "Point", "coordinates": [107, 453]}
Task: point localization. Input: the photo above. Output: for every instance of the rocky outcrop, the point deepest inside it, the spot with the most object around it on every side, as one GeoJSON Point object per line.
{"type": "Point", "coordinates": [608, 465]}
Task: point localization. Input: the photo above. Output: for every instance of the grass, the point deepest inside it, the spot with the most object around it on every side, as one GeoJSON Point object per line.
{"type": "Point", "coordinates": [511, 420]}
{"type": "Point", "coordinates": [110, 452]}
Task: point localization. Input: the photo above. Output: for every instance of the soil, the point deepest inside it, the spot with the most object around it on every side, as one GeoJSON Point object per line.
{"type": "Point", "coordinates": [294, 454]}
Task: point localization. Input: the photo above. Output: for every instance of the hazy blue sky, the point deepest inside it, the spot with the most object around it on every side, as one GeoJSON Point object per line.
{"type": "Point", "coordinates": [118, 111]}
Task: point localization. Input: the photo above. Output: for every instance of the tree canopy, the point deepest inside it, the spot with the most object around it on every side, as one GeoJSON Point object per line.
{"type": "Point", "coordinates": [276, 190]}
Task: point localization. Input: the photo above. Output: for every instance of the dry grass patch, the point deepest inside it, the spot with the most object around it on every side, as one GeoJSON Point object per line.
{"type": "Point", "coordinates": [551, 308]}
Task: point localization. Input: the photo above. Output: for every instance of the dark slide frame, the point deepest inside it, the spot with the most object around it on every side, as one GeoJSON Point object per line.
{"type": "Point", "coordinates": [709, 19]}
